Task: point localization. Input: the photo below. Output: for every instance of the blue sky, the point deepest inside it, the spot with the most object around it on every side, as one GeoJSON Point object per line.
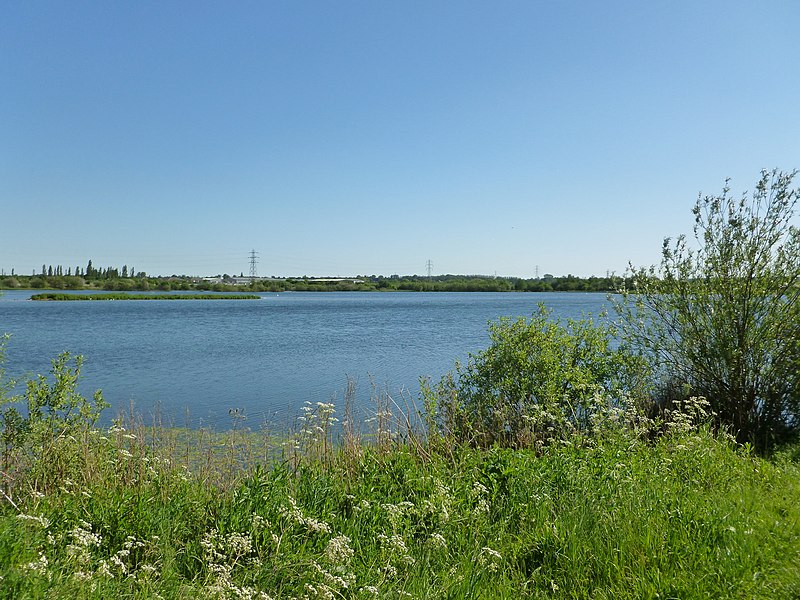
{"type": "Point", "coordinates": [345, 138]}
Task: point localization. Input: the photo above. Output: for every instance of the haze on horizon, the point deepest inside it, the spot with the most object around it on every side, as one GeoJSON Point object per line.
{"type": "Point", "coordinates": [360, 138]}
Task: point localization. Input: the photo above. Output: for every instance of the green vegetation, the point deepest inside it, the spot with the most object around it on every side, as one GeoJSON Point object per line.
{"type": "Point", "coordinates": [567, 460]}
{"type": "Point", "coordinates": [62, 297]}
{"type": "Point", "coordinates": [537, 380]}
{"type": "Point", "coordinates": [144, 511]}
{"type": "Point", "coordinates": [722, 320]}
{"type": "Point", "coordinates": [459, 283]}
{"type": "Point", "coordinates": [109, 280]}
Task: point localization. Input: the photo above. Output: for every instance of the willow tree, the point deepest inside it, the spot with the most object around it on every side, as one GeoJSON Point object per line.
{"type": "Point", "coordinates": [720, 317]}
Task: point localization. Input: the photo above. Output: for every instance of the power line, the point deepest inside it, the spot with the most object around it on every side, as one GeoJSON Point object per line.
{"type": "Point", "coordinates": [429, 266]}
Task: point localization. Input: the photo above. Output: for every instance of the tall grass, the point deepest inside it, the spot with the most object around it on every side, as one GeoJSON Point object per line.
{"type": "Point", "coordinates": [378, 510]}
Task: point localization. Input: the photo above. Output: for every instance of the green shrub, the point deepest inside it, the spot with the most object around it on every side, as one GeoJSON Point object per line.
{"type": "Point", "coordinates": [34, 439]}
{"type": "Point", "coordinates": [538, 381]}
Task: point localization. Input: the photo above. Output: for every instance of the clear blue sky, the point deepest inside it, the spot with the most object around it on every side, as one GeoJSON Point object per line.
{"type": "Point", "coordinates": [344, 138]}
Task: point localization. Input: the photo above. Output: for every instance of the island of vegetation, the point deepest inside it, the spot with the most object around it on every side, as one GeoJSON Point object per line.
{"type": "Point", "coordinates": [53, 296]}
{"type": "Point", "coordinates": [656, 455]}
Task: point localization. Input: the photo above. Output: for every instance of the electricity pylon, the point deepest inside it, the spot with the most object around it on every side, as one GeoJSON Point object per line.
{"type": "Point", "coordinates": [253, 272]}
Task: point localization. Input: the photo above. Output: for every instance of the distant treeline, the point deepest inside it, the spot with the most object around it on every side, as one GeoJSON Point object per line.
{"type": "Point", "coordinates": [462, 283]}
{"type": "Point", "coordinates": [127, 279]}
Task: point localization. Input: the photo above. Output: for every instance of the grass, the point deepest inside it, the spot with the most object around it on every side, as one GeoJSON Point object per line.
{"type": "Point", "coordinates": [117, 296]}
{"type": "Point", "coordinates": [148, 511]}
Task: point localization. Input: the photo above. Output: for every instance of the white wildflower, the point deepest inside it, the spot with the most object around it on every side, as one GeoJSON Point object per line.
{"type": "Point", "coordinates": [104, 570]}
{"type": "Point", "coordinates": [294, 513]}
{"type": "Point", "coordinates": [120, 564]}
{"type": "Point", "coordinates": [330, 581]}
{"type": "Point", "coordinates": [317, 526]}
{"type": "Point", "coordinates": [390, 571]}
{"type": "Point", "coordinates": [396, 511]}
{"type": "Point", "coordinates": [38, 566]}
{"type": "Point", "coordinates": [239, 544]}
{"type": "Point", "coordinates": [43, 521]}
{"type": "Point", "coordinates": [482, 507]}
{"type": "Point", "coordinates": [338, 550]}
{"type": "Point", "coordinates": [490, 559]}
{"type": "Point", "coordinates": [478, 489]}
{"type": "Point", "coordinates": [396, 546]}
{"type": "Point", "coordinates": [258, 522]}
{"type": "Point", "coordinates": [84, 536]}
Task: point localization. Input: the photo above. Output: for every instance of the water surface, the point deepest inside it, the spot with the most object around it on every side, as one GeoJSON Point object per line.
{"type": "Point", "coordinates": [194, 360]}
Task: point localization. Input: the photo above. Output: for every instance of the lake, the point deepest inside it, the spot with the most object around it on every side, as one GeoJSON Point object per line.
{"type": "Point", "coordinates": [194, 360]}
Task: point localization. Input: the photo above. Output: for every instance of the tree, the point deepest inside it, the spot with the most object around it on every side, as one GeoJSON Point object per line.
{"type": "Point", "coordinates": [722, 320]}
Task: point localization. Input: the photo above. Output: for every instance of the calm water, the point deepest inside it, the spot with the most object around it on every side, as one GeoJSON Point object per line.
{"type": "Point", "coordinates": [197, 359]}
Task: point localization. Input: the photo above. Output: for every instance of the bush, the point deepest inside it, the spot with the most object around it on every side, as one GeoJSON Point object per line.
{"type": "Point", "coordinates": [538, 381]}
{"type": "Point", "coordinates": [723, 320]}
{"type": "Point", "coordinates": [33, 437]}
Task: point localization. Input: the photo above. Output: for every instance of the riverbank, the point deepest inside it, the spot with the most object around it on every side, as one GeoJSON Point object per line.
{"type": "Point", "coordinates": [145, 511]}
